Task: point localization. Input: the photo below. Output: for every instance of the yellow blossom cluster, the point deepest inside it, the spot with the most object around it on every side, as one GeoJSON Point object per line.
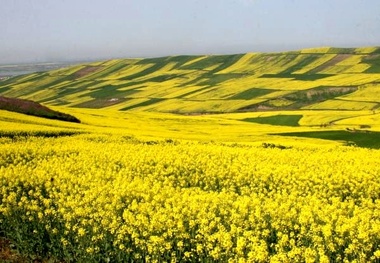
{"type": "Point", "coordinates": [92, 198]}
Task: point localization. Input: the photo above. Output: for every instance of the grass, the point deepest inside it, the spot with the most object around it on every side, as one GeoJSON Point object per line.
{"type": "Point", "coordinates": [251, 94]}
{"type": "Point", "coordinates": [358, 138]}
{"type": "Point", "coordinates": [216, 79]}
{"type": "Point", "coordinates": [145, 103]}
{"type": "Point", "coordinates": [280, 120]}
{"type": "Point", "coordinates": [304, 62]}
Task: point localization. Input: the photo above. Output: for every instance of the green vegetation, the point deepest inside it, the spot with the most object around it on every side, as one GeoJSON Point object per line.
{"type": "Point", "coordinates": [250, 94]}
{"type": "Point", "coordinates": [281, 120]}
{"type": "Point", "coordinates": [374, 61]}
{"type": "Point", "coordinates": [358, 138]}
{"type": "Point", "coordinates": [145, 103]}
{"type": "Point", "coordinates": [307, 59]}
{"type": "Point", "coordinates": [319, 94]}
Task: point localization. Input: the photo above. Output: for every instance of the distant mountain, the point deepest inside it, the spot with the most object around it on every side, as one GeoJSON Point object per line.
{"type": "Point", "coordinates": [320, 78]}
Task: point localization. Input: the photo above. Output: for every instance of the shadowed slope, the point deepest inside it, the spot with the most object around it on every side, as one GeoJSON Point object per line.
{"type": "Point", "coordinates": [33, 108]}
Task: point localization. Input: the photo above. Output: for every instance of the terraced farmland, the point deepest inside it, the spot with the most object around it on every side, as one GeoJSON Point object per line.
{"type": "Point", "coordinates": [210, 84]}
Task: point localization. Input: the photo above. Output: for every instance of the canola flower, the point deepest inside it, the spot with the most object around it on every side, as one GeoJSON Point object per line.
{"type": "Point", "coordinates": [92, 198]}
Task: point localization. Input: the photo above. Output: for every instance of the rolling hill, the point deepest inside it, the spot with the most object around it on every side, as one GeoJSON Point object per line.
{"type": "Point", "coordinates": [258, 93]}
{"type": "Point", "coordinates": [318, 79]}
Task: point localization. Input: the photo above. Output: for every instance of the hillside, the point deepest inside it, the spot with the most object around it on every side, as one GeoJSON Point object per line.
{"type": "Point", "coordinates": [33, 108]}
{"type": "Point", "coordinates": [315, 79]}
{"type": "Point", "coordinates": [288, 98]}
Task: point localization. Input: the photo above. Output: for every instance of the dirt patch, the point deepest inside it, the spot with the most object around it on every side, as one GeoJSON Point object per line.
{"type": "Point", "coordinates": [7, 254]}
{"type": "Point", "coordinates": [371, 57]}
{"type": "Point", "coordinates": [86, 71]}
{"type": "Point", "coordinates": [310, 94]}
{"type": "Point", "coordinates": [330, 63]}
{"type": "Point", "coordinates": [300, 99]}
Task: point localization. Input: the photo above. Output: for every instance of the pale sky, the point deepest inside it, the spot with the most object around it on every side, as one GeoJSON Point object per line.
{"type": "Point", "coordinates": [62, 30]}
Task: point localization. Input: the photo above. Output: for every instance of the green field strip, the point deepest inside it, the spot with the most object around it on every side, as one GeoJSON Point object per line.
{"type": "Point", "coordinates": [148, 71]}
{"type": "Point", "coordinates": [110, 91]}
{"type": "Point", "coordinates": [156, 91]}
{"type": "Point", "coordinates": [335, 50]}
{"type": "Point", "coordinates": [194, 94]}
{"type": "Point", "coordinates": [336, 104]}
{"type": "Point", "coordinates": [32, 87]}
{"type": "Point", "coordinates": [240, 66]}
{"type": "Point", "coordinates": [4, 89]}
{"type": "Point", "coordinates": [215, 79]}
{"type": "Point", "coordinates": [142, 104]}
{"type": "Point", "coordinates": [62, 91]}
{"type": "Point", "coordinates": [305, 60]}
{"type": "Point", "coordinates": [194, 90]}
{"type": "Point", "coordinates": [279, 120]}
{"type": "Point", "coordinates": [283, 62]}
{"type": "Point", "coordinates": [228, 62]}
{"type": "Point", "coordinates": [208, 77]}
{"type": "Point", "coordinates": [365, 50]}
{"type": "Point", "coordinates": [125, 72]}
{"type": "Point", "coordinates": [251, 94]}
{"type": "Point", "coordinates": [206, 62]}
{"type": "Point", "coordinates": [22, 78]}
{"type": "Point", "coordinates": [374, 62]}
{"type": "Point", "coordinates": [360, 138]}
{"type": "Point", "coordinates": [179, 92]}
{"type": "Point", "coordinates": [107, 70]}
{"type": "Point", "coordinates": [181, 60]}
{"type": "Point", "coordinates": [162, 78]}
{"type": "Point", "coordinates": [200, 76]}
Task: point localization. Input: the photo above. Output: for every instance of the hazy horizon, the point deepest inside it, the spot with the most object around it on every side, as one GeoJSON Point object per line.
{"type": "Point", "coordinates": [67, 30]}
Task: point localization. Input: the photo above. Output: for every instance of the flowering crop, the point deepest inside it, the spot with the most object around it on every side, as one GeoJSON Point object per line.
{"type": "Point", "coordinates": [91, 198]}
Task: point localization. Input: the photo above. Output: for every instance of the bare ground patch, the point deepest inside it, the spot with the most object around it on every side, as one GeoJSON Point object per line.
{"type": "Point", "coordinates": [86, 71]}
{"type": "Point", "coordinates": [338, 58]}
{"type": "Point", "coordinates": [301, 99]}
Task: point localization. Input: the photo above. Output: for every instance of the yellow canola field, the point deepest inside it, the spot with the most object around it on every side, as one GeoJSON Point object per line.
{"type": "Point", "coordinates": [92, 198]}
